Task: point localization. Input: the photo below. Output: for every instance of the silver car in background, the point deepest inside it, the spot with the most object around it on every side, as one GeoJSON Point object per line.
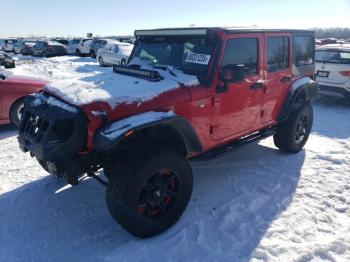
{"type": "Point", "coordinates": [114, 53]}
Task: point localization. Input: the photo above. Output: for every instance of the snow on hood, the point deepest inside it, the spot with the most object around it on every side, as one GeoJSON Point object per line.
{"type": "Point", "coordinates": [116, 88]}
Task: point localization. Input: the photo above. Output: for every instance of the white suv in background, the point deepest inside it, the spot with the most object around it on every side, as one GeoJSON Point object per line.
{"type": "Point", "coordinates": [79, 46]}
{"type": "Point", "coordinates": [333, 69]}
{"type": "Point", "coordinates": [114, 53]}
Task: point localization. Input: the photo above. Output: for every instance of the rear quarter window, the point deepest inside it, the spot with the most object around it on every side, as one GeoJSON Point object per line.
{"type": "Point", "coordinates": [277, 53]}
{"type": "Point", "coordinates": [303, 54]}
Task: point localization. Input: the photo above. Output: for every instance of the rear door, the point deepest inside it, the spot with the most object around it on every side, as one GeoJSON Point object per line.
{"type": "Point", "coordinates": [236, 110]}
{"type": "Point", "coordinates": [278, 68]}
{"type": "Point", "coordinates": [106, 56]}
{"type": "Point", "coordinates": [115, 57]}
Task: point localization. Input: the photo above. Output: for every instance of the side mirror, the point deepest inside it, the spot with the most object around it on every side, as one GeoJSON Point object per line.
{"type": "Point", "coordinates": [233, 73]}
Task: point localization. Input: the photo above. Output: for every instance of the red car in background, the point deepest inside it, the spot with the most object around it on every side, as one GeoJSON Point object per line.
{"type": "Point", "coordinates": [13, 90]}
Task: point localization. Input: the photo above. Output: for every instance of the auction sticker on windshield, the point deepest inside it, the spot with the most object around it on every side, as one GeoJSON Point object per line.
{"type": "Point", "coordinates": [194, 58]}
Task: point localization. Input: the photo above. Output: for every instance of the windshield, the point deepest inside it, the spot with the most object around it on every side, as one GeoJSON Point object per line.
{"type": "Point", "coordinates": [330, 56]}
{"type": "Point", "coordinates": [190, 54]}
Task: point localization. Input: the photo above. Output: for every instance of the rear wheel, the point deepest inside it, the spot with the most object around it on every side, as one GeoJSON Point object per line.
{"type": "Point", "coordinates": [92, 54]}
{"type": "Point", "coordinates": [292, 134]}
{"type": "Point", "coordinates": [148, 191]}
{"type": "Point", "coordinates": [16, 112]}
{"type": "Point", "coordinates": [78, 52]}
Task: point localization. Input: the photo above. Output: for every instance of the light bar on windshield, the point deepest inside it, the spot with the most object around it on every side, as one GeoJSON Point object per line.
{"type": "Point", "coordinates": [151, 75]}
{"type": "Point", "coordinates": [171, 32]}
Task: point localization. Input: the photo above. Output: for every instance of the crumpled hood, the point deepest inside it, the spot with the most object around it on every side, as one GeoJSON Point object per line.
{"type": "Point", "coordinates": [117, 89]}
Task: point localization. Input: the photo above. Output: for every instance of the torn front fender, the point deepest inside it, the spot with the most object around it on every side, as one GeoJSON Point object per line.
{"type": "Point", "coordinates": [108, 137]}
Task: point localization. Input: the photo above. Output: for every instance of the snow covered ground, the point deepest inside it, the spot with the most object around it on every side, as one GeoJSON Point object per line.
{"type": "Point", "coordinates": [252, 204]}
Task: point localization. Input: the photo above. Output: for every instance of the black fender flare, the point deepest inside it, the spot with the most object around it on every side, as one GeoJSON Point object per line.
{"type": "Point", "coordinates": [108, 138]}
{"type": "Point", "coordinates": [303, 89]}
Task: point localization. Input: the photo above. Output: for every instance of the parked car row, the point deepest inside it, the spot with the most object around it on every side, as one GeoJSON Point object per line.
{"type": "Point", "coordinates": [57, 46]}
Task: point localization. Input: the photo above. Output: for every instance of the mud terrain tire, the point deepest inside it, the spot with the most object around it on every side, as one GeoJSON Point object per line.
{"type": "Point", "coordinates": [292, 134]}
{"type": "Point", "coordinates": [141, 179]}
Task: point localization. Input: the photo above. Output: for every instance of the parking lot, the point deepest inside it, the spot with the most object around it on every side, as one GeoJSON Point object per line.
{"type": "Point", "coordinates": [253, 203]}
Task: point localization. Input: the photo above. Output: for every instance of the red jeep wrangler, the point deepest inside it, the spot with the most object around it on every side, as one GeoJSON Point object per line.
{"type": "Point", "coordinates": [185, 93]}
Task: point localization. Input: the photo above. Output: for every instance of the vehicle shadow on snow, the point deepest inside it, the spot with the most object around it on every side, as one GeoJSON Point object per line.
{"type": "Point", "coordinates": [79, 59]}
{"type": "Point", "coordinates": [331, 117]}
{"type": "Point", "coordinates": [236, 198]}
{"type": "Point", "coordinates": [7, 131]}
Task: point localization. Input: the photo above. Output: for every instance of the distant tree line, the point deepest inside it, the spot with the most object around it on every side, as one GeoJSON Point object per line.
{"type": "Point", "coordinates": [336, 32]}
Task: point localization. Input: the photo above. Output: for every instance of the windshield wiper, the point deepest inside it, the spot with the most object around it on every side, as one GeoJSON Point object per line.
{"type": "Point", "coordinates": [166, 67]}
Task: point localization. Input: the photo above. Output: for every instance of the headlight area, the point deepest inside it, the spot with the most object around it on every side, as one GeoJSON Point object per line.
{"type": "Point", "coordinates": [53, 131]}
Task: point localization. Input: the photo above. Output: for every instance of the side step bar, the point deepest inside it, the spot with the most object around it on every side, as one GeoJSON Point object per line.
{"type": "Point", "coordinates": [235, 144]}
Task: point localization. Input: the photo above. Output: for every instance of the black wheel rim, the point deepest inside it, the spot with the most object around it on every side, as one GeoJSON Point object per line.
{"type": "Point", "coordinates": [158, 194]}
{"type": "Point", "coordinates": [301, 129]}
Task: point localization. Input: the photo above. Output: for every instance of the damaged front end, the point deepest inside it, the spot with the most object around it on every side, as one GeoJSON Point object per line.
{"type": "Point", "coordinates": [54, 132]}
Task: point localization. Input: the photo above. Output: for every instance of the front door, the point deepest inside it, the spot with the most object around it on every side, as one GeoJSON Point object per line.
{"type": "Point", "coordinates": [237, 109]}
{"type": "Point", "coordinates": [278, 68]}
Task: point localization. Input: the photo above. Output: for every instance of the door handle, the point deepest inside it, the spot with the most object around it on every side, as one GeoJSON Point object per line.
{"type": "Point", "coordinates": [286, 79]}
{"type": "Point", "coordinates": [257, 86]}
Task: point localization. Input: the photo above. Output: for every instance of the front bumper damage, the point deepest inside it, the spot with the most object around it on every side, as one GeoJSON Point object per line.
{"type": "Point", "coordinates": [54, 132]}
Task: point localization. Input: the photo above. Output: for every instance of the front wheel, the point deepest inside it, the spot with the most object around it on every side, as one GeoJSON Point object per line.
{"type": "Point", "coordinates": [100, 61]}
{"type": "Point", "coordinates": [292, 134]}
{"type": "Point", "coordinates": [149, 190]}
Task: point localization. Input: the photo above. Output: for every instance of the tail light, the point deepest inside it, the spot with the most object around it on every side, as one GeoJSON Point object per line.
{"type": "Point", "coordinates": [345, 73]}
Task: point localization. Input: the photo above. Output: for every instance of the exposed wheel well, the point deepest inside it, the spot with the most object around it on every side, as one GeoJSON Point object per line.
{"type": "Point", "coordinates": [161, 134]}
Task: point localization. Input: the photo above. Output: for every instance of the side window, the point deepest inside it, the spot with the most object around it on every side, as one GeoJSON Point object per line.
{"type": "Point", "coordinates": [303, 50]}
{"type": "Point", "coordinates": [277, 53]}
{"type": "Point", "coordinates": [242, 51]}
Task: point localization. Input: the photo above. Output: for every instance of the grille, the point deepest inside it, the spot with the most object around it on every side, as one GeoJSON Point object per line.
{"type": "Point", "coordinates": [34, 126]}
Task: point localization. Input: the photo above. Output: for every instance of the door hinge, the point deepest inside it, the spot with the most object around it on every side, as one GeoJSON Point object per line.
{"type": "Point", "coordinates": [262, 113]}
{"type": "Point", "coordinates": [213, 128]}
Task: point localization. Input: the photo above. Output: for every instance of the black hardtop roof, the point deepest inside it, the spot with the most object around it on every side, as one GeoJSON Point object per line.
{"type": "Point", "coordinates": [232, 30]}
